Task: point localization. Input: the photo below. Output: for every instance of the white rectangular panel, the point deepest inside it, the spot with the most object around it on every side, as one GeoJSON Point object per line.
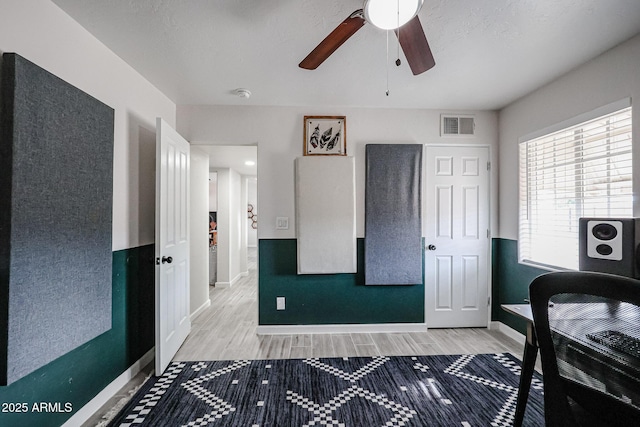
{"type": "Point", "coordinates": [470, 275]}
{"type": "Point", "coordinates": [444, 166]}
{"type": "Point", "coordinates": [169, 285]}
{"type": "Point", "coordinates": [444, 211]}
{"type": "Point", "coordinates": [444, 283]}
{"type": "Point", "coordinates": [470, 166]}
{"type": "Point", "coordinates": [326, 215]}
{"type": "Point", "coordinates": [168, 199]}
{"type": "Point", "coordinates": [471, 210]}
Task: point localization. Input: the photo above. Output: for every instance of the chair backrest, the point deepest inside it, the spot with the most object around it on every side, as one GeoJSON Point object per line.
{"type": "Point", "coordinates": [588, 331]}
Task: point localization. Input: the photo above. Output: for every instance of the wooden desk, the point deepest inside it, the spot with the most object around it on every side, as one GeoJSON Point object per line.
{"type": "Point", "coordinates": [523, 311]}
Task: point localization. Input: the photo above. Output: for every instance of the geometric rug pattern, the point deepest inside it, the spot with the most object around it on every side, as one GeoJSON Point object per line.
{"type": "Point", "coordinates": [448, 390]}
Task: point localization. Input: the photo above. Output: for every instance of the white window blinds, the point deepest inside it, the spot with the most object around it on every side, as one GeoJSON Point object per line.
{"type": "Point", "coordinates": [583, 170]}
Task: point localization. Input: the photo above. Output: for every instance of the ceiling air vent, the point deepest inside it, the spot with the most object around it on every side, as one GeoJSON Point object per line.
{"type": "Point", "coordinates": [457, 125]}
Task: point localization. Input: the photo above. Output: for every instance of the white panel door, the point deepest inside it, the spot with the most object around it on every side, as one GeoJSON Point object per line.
{"type": "Point", "coordinates": [172, 243]}
{"type": "Point", "coordinates": [456, 224]}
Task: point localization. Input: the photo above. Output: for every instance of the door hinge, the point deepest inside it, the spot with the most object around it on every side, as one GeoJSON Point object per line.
{"type": "Point", "coordinates": [488, 166]}
{"type": "Point", "coordinates": [488, 233]}
{"type": "Point", "coordinates": [488, 301]}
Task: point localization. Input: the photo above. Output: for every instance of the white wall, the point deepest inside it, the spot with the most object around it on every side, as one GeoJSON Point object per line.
{"type": "Point", "coordinates": [199, 234]}
{"type": "Point", "coordinates": [237, 225]}
{"type": "Point", "coordinates": [213, 192]}
{"type": "Point", "coordinates": [279, 134]}
{"type": "Point", "coordinates": [243, 225]}
{"type": "Point", "coordinates": [42, 33]}
{"type": "Point", "coordinates": [224, 222]}
{"type": "Point", "coordinates": [610, 77]}
{"type": "Point", "coordinates": [252, 198]}
{"type": "Point", "coordinates": [232, 213]}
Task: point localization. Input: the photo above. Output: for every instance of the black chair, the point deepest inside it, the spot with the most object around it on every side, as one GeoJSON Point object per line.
{"type": "Point", "coordinates": [588, 330]}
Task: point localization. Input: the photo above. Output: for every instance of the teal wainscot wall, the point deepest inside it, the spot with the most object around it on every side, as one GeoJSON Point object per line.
{"type": "Point", "coordinates": [53, 393]}
{"type": "Point", "coordinates": [510, 281]}
{"type": "Point", "coordinates": [322, 299]}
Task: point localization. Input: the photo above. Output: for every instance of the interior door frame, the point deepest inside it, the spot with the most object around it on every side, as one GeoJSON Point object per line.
{"type": "Point", "coordinates": [489, 216]}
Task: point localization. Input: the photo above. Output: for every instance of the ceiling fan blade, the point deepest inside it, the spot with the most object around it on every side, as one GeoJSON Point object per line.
{"type": "Point", "coordinates": [415, 46]}
{"type": "Point", "coordinates": [333, 41]}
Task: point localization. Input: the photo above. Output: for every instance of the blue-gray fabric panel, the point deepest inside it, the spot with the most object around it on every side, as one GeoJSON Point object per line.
{"type": "Point", "coordinates": [393, 214]}
{"type": "Point", "coordinates": [61, 192]}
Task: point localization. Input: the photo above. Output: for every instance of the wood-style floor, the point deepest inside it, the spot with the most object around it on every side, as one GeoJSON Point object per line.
{"type": "Point", "coordinates": [227, 331]}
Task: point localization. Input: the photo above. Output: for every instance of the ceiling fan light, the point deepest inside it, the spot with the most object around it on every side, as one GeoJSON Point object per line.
{"type": "Point", "coordinates": [391, 14]}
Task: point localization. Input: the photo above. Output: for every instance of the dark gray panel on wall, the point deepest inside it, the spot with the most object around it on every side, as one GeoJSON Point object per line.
{"type": "Point", "coordinates": [393, 214]}
{"type": "Point", "coordinates": [56, 187]}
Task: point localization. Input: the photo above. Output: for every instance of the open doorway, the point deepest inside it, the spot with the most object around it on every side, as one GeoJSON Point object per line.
{"type": "Point", "coordinates": [249, 185]}
{"type": "Point", "coordinates": [231, 216]}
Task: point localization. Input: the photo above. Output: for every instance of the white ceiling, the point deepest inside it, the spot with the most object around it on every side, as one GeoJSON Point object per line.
{"type": "Point", "coordinates": [234, 157]}
{"type": "Point", "coordinates": [488, 52]}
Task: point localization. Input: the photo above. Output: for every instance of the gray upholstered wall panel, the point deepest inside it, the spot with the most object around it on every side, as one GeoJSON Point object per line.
{"type": "Point", "coordinates": [393, 214]}
{"type": "Point", "coordinates": [56, 187]}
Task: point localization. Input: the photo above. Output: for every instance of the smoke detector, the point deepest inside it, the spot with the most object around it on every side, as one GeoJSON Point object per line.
{"type": "Point", "coordinates": [242, 93]}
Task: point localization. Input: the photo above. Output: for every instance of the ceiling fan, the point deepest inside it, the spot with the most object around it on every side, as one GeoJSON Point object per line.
{"type": "Point", "coordinates": [398, 15]}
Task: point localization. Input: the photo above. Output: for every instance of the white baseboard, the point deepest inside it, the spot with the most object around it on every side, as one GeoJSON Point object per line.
{"type": "Point", "coordinates": [508, 331]}
{"type": "Point", "coordinates": [233, 281]}
{"type": "Point", "coordinates": [239, 276]}
{"type": "Point", "coordinates": [94, 405]}
{"type": "Point", "coordinates": [340, 329]}
{"type": "Point", "coordinates": [200, 309]}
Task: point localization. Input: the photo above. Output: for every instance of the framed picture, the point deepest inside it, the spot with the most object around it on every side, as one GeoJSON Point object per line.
{"type": "Point", "coordinates": [325, 136]}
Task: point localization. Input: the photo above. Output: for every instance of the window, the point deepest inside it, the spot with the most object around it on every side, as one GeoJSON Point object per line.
{"type": "Point", "coordinates": [581, 170]}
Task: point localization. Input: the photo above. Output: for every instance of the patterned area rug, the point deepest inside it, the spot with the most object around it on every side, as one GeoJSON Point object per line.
{"type": "Point", "coordinates": [462, 390]}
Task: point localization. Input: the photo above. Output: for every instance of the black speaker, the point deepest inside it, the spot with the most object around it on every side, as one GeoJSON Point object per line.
{"type": "Point", "coordinates": [610, 245]}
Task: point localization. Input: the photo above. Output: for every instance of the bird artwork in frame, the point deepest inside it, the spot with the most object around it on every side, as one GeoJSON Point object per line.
{"type": "Point", "coordinates": [325, 136]}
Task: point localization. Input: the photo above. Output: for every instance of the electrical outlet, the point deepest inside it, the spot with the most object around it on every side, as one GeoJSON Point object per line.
{"type": "Point", "coordinates": [280, 303]}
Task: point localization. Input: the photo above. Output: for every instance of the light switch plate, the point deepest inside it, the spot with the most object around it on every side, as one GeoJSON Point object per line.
{"type": "Point", "coordinates": [280, 303]}
{"type": "Point", "coordinates": [282, 223]}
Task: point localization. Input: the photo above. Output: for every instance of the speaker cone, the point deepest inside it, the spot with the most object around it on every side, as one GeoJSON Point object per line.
{"type": "Point", "coordinates": [604, 232]}
{"type": "Point", "coordinates": [604, 249]}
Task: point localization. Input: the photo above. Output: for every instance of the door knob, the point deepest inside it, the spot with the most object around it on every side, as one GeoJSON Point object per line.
{"type": "Point", "coordinates": [431, 247]}
{"type": "Point", "coordinates": [167, 259]}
